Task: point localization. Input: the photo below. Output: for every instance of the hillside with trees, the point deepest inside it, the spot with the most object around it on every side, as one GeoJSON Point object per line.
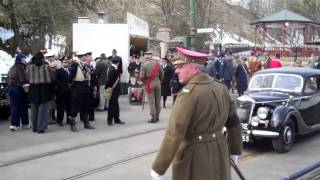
{"type": "Point", "coordinates": [34, 20]}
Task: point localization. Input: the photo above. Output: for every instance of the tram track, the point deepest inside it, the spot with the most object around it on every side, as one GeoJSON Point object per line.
{"type": "Point", "coordinates": [110, 165]}
{"type": "Point", "coordinates": [242, 159]}
{"type": "Point", "coordinates": [64, 150]}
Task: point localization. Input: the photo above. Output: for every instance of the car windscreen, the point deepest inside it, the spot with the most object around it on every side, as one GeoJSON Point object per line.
{"type": "Point", "coordinates": [275, 81]}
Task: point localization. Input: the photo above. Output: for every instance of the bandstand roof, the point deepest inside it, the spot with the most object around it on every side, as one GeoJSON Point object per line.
{"type": "Point", "coordinates": [285, 16]}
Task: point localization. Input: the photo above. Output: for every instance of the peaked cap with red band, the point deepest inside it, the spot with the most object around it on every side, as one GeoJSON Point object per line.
{"type": "Point", "coordinates": [188, 56]}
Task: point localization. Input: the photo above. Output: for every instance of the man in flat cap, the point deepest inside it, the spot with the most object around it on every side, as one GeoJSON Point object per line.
{"type": "Point", "coordinates": [80, 77]}
{"type": "Point", "coordinates": [152, 74]}
{"type": "Point", "coordinates": [194, 141]}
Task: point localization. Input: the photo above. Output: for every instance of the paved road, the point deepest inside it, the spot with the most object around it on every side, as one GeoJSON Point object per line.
{"type": "Point", "coordinates": [123, 151]}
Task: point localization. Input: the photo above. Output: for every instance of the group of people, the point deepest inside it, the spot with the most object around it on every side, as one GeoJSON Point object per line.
{"type": "Point", "coordinates": [235, 72]}
{"type": "Point", "coordinates": [69, 86]}
{"type": "Point", "coordinates": [194, 141]}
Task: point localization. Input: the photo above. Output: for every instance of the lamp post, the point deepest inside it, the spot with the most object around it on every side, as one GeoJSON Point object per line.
{"type": "Point", "coordinates": [192, 37]}
{"type": "Point", "coordinates": [192, 5]}
{"type": "Point", "coordinates": [102, 17]}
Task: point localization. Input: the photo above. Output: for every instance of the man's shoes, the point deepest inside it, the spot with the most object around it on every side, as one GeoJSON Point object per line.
{"type": "Point", "coordinates": [73, 128]}
{"type": "Point", "coordinates": [52, 122]}
{"type": "Point", "coordinates": [60, 124]}
{"type": "Point", "coordinates": [28, 126]}
{"type": "Point", "coordinates": [119, 122]}
{"type": "Point", "coordinates": [13, 128]}
{"type": "Point", "coordinates": [152, 121]}
{"type": "Point", "coordinates": [110, 124]}
{"type": "Point", "coordinates": [88, 126]}
{"type": "Point", "coordinates": [41, 131]}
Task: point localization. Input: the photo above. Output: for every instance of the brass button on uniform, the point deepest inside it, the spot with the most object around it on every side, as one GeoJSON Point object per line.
{"type": "Point", "coordinates": [200, 137]}
{"type": "Point", "coordinates": [213, 135]}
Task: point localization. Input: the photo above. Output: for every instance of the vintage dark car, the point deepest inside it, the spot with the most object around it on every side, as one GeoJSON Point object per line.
{"type": "Point", "coordinates": [280, 103]}
{"type": "Point", "coordinates": [4, 97]}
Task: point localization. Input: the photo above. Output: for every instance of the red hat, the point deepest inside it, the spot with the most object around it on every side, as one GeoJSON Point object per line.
{"type": "Point", "coordinates": [188, 56]}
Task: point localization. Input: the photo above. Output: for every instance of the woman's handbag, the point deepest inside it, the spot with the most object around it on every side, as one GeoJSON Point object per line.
{"type": "Point", "coordinates": [26, 87]}
{"type": "Point", "coordinates": [108, 91]}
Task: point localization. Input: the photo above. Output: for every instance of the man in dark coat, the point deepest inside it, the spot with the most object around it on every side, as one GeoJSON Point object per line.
{"type": "Point", "coordinates": [114, 83]}
{"type": "Point", "coordinates": [117, 60]}
{"type": "Point", "coordinates": [18, 97]}
{"type": "Point", "coordinates": [241, 75]}
{"type": "Point", "coordinates": [93, 90]}
{"type": "Point", "coordinates": [165, 84]}
{"type": "Point", "coordinates": [226, 71]}
{"type": "Point", "coordinates": [80, 78]}
{"type": "Point", "coordinates": [101, 73]}
{"type": "Point", "coordinates": [63, 91]}
{"type": "Point", "coordinates": [211, 67]}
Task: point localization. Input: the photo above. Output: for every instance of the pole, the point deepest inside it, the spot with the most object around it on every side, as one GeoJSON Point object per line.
{"type": "Point", "coordinates": [192, 5]}
{"type": "Point", "coordinates": [193, 30]}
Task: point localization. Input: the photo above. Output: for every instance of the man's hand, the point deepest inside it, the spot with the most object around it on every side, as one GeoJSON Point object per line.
{"type": "Point", "coordinates": [235, 158]}
{"type": "Point", "coordinates": [155, 176]}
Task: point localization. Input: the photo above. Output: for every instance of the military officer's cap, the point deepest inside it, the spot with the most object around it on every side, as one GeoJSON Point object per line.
{"type": "Point", "coordinates": [188, 56]}
{"type": "Point", "coordinates": [50, 53]}
{"type": "Point", "coordinates": [64, 58]}
{"type": "Point", "coordinates": [147, 55]}
{"type": "Point", "coordinates": [83, 53]}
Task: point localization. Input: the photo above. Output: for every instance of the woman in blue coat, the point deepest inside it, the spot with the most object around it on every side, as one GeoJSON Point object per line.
{"type": "Point", "coordinates": [241, 75]}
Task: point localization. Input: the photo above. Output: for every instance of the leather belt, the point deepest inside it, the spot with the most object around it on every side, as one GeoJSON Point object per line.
{"type": "Point", "coordinates": [204, 137]}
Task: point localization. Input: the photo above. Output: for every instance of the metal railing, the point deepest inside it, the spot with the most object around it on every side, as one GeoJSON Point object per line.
{"type": "Point", "coordinates": [311, 172]}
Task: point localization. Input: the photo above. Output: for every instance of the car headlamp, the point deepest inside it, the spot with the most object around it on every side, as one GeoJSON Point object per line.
{"type": "Point", "coordinates": [262, 112]}
{"type": "Point", "coordinates": [255, 121]}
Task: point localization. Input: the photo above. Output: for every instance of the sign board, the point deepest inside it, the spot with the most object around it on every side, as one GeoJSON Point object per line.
{"type": "Point", "coordinates": [205, 30]}
{"type": "Point", "coordinates": [137, 26]}
{"type": "Point", "coordinates": [105, 38]}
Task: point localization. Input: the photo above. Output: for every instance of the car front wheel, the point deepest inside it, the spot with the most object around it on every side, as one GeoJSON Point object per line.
{"type": "Point", "coordinates": [284, 142]}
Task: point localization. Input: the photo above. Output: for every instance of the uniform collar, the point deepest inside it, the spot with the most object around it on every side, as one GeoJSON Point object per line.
{"type": "Point", "coordinates": [200, 79]}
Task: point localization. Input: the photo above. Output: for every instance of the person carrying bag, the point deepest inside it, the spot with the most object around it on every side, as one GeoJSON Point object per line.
{"type": "Point", "coordinates": [108, 91]}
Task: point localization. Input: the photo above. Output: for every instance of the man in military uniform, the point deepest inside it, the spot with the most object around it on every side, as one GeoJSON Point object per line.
{"type": "Point", "coordinates": [152, 75]}
{"type": "Point", "coordinates": [194, 141]}
{"type": "Point", "coordinates": [80, 77]}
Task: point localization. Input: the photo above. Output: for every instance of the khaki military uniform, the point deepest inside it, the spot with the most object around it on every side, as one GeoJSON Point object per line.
{"type": "Point", "coordinates": [194, 141]}
{"type": "Point", "coordinates": [155, 96]}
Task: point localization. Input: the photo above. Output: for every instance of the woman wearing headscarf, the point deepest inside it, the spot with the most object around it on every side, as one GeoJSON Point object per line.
{"type": "Point", "coordinates": [40, 77]}
{"type": "Point", "coordinates": [18, 97]}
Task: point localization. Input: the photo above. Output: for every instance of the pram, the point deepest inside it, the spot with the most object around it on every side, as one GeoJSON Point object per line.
{"type": "Point", "coordinates": [135, 91]}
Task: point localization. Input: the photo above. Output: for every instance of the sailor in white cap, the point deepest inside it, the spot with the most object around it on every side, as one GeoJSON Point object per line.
{"type": "Point", "coordinates": [50, 57]}
{"type": "Point", "coordinates": [80, 77]}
